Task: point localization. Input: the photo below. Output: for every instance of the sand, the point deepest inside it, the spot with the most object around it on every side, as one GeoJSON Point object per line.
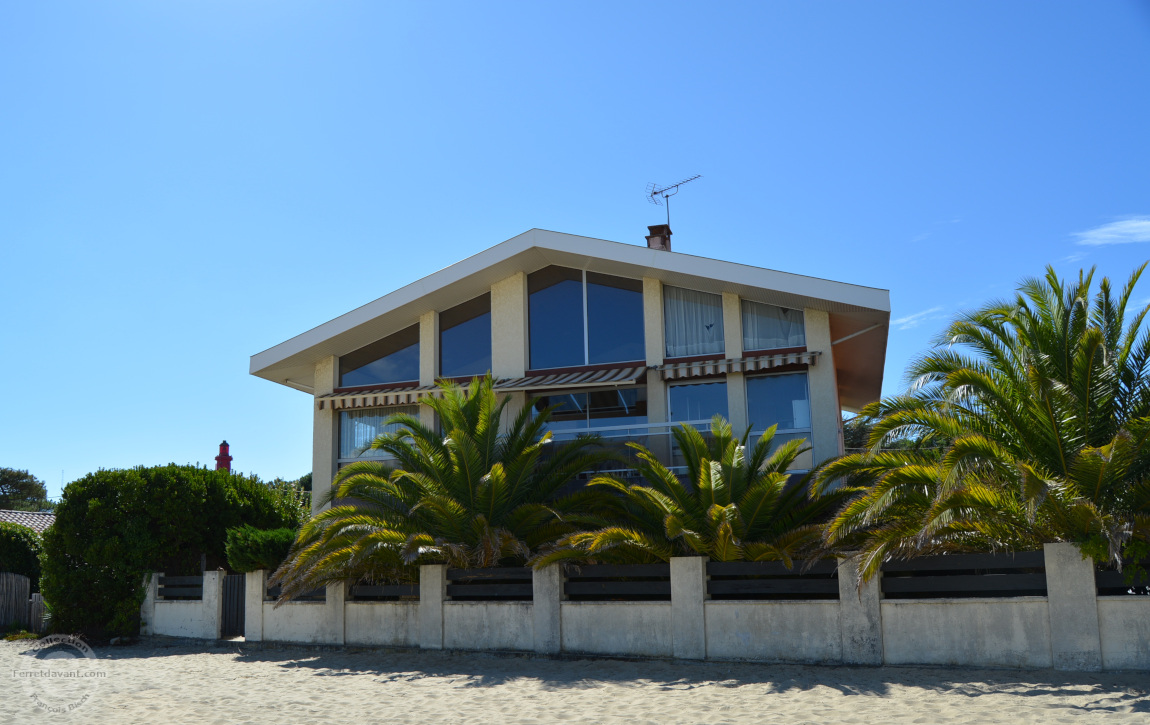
{"type": "Point", "coordinates": [165, 681]}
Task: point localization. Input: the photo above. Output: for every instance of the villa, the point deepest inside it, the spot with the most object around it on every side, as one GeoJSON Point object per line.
{"type": "Point", "coordinates": [625, 340]}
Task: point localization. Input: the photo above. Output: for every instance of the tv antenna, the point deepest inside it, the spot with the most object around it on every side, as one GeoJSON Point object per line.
{"type": "Point", "coordinates": [655, 193]}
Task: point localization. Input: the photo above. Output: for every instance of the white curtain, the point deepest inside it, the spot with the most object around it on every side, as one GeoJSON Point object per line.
{"type": "Point", "coordinates": [766, 327]}
{"type": "Point", "coordinates": [358, 428]}
{"type": "Point", "coordinates": [693, 322]}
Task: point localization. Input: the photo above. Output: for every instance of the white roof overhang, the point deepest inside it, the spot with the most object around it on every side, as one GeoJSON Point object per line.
{"type": "Point", "coordinates": [852, 308]}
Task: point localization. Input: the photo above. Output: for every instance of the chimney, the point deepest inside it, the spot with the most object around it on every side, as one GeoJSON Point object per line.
{"type": "Point", "coordinates": [660, 237]}
{"type": "Point", "coordinates": [224, 461]}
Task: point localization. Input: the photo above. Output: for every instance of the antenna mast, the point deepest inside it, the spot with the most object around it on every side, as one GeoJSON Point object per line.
{"type": "Point", "coordinates": [655, 193]}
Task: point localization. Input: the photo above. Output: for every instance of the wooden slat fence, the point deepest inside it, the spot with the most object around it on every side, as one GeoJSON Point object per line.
{"type": "Point", "coordinates": [186, 588]}
{"type": "Point", "coordinates": [512, 583]}
{"type": "Point", "coordinates": [385, 592]}
{"type": "Point", "coordinates": [14, 599]}
{"type": "Point", "coordinates": [1019, 574]}
{"type": "Point", "coordinates": [622, 582]}
{"type": "Point", "coordinates": [1112, 583]}
{"type": "Point", "coordinates": [771, 580]}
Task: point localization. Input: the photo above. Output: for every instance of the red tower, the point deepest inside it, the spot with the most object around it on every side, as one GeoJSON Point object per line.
{"type": "Point", "coordinates": [223, 461]}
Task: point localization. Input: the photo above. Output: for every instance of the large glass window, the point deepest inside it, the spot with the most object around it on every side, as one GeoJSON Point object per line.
{"type": "Point", "coordinates": [582, 318]}
{"type": "Point", "coordinates": [697, 401]}
{"type": "Point", "coordinates": [358, 428]}
{"type": "Point", "coordinates": [394, 359]}
{"type": "Point", "coordinates": [781, 400]}
{"type": "Point", "coordinates": [693, 322]}
{"type": "Point", "coordinates": [577, 411]}
{"type": "Point", "coordinates": [766, 327]}
{"type": "Point", "coordinates": [465, 338]}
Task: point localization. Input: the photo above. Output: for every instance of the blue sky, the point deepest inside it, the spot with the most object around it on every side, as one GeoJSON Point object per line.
{"type": "Point", "coordinates": [184, 184]}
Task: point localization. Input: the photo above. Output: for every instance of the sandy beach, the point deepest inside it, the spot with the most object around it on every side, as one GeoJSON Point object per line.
{"type": "Point", "coordinates": [162, 681]}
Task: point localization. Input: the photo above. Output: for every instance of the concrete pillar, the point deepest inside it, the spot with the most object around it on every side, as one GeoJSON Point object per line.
{"type": "Point", "coordinates": [426, 415]}
{"type": "Point", "coordinates": [432, 594]}
{"type": "Point", "coordinates": [213, 603]}
{"type": "Point", "coordinates": [334, 602]}
{"type": "Point", "coordinates": [860, 616]}
{"type": "Point", "coordinates": [517, 399]}
{"type": "Point", "coordinates": [509, 351]}
{"type": "Point", "coordinates": [732, 325]}
{"type": "Point", "coordinates": [1072, 600]}
{"type": "Point", "coordinates": [688, 594]}
{"type": "Point", "coordinates": [653, 341]}
{"type": "Point", "coordinates": [325, 433]}
{"type": "Point", "coordinates": [737, 403]}
{"type": "Point", "coordinates": [255, 591]}
{"type": "Point", "coordinates": [428, 347]}
{"type": "Point", "coordinates": [148, 607]}
{"type": "Point", "coordinates": [826, 415]}
{"type": "Point", "coordinates": [546, 600]}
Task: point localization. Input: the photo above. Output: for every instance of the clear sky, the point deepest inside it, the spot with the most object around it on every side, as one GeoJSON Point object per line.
{"type": "Point", "coordinates": [184, 184]}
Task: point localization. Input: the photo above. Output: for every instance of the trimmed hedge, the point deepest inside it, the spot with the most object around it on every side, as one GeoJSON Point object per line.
{"type": "Point", "coordinates": [249, 548]}
{"type": "Point", "coordinates": [20, 549]}
{"type": "Point", "coordinates": [114, 526]}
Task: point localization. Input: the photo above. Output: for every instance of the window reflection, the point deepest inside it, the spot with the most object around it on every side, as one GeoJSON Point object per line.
{"type": "Point", "coordinates": [780, 400]}
{"type": "Point", "coordinates": [465, 338]}
{"type": "Point", "coordinates": [394, 359]}
{"type": "Point", "coordinates": [697, 401]}
{"type": "Point", "coordinates": [560, 334]}
{"type": "Point", "coordinates": [580, 411]}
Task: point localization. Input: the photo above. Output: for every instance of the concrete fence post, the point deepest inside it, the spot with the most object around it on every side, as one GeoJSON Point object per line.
{"type": "Point", "coordinates": [546, 603]}
{"type": "Point", "coordinates": [255, 591]}
{"type": "Point", "coordinates": [860, 616]}
{"type": "Point", "coordinates": [432, 593]}
{"type": "Point", "coordinates": [688, 594]}
{"type": "Point", "coordinates": [1072, 601]}
{"type": "Point", "coordinates": [336, 613]}
{"type": "Point", "coordinates": [148, 607]}
{"type": "Point", "coordinates": [213, 604]}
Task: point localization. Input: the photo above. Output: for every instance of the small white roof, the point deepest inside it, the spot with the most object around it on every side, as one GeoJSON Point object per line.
{"type": "Point", "coordinates": [852, 308]}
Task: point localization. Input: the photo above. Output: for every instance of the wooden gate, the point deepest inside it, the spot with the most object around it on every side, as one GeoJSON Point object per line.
{"type": "Point", "coordinates": [233, 619]}
{"type": "Point", "coordinates": [13, 600]}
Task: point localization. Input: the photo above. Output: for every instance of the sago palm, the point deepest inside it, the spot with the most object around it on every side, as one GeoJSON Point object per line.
{"type": "Point", "coordinates": [465, 493]}
{"type": "Point", "coordinates": [736, 504]}
{"type": "Point", "coordinates": [1032, 422]}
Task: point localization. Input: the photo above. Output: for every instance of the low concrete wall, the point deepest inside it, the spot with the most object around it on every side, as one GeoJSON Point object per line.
{"type": "Point", "coordinates": [975, 632]}
{"type": "Point", "coordinates": [1124, 628]}
{"type": "Point", "coordinates": [617, 628]}
{"type": "Point", "coordinates": [488, 626]}
{"type": "Point", "coordinates": [386, 624]}
{"type": "Point", "coordinates": [794, 631]}
{"type": "Point", "coordinates": [185, 618]}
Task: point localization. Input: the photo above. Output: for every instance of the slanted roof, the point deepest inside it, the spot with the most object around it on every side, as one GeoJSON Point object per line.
{"type": "Point", "coordinates": [852, 308]}
{"type": "Point", "coordinates": [35, 520]}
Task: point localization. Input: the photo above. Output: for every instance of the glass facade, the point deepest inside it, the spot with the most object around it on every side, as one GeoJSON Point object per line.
{"type": "Point", "coordinates": [394, 359]}
{"type": "Point", "coordinates": [577, 411]}
{"type": "Point", "coordinates": [766, 327]}
{"type": "Point", "coordinates": [358, 428]}
{"type": "Point", "coordinates": [465, 339]}
{"type": "Point", "coordinates": [782, 400]}
{"type": "Point", "coordinates": [697, 401]}
{"type": "Point", "coordinates": [693, 322]}
{"type": "Point", "coordinates": [577, 318]}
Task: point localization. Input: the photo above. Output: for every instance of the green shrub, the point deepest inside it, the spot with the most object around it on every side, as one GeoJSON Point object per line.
{"type": "Point", "coordinates": [249, 548]}
{"type": "Point", "coordinates": [20, 552]}
{"type": "Point", "coordinates": [114, 526]}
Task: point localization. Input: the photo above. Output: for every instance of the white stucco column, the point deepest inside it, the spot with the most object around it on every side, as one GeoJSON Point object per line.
{"type": "Point", "coordinates": [688, 597]}
{"type": "Point", "coordinates": [826, 415]}
{"type": "Point", "coordinates": [428, 347]}
{"type": "Point", "coordinates": [654, 348]}
{"type": "Point", "coordinates": [148, 606]}
{"type": "Point", "coordinates": [432, 593]}
{"type": "Point", "coordinates": [509, 351]}
{"type": "Point", "coordinates": [860, 616]}
{"type": "Point", "coordinates": [325, 433]}
{"type": "Point", "coordinates": [334, 601]}
{"type": "Point", "coordinates": [213, 604]}
{"type": "Point", "coordinates": [733, 349]}
{"type": "Point", "coordinates": [546, 601]}
{"type": "Point", "coordinates": [255, 591]}
{"type": "Point", "coordinates": [1072, 600]}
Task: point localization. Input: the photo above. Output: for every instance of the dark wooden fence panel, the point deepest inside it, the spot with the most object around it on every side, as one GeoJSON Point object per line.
{"type": "Point", "coordinates": [492, 584]}
{"type": "Point", "coordinates": [182, 587]}
{"type": "Point", "coordinates": [235, 587]}
{"type": "Point", "coordinates": [1113, 583]}
{"type": "Point", "coordinates": [14, 599]}
{"type": "Point", "coordinates": [385, 592]}
{"type": "Point", "coordinates": [772, 580]}
{"type": "Point", "coordinates": [618, 582]}
{"type": "Point", "coordinates": [1019, 574]}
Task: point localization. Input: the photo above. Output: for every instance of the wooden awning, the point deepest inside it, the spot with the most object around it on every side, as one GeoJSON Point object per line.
{"type": "Point", "coordinates": [612, 376]}
{"type": "Point", "coordinates": [375, 398]}
{"type": "Point", "coordinates": [678, 371]}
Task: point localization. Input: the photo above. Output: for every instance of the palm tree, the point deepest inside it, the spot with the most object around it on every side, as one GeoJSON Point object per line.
{"type": "Point", "coordinates": [466, 494]}
{"type": "Point", "coordinates": [1032, 417]}
{"type": "Point", "coordinates": [736, 505]}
